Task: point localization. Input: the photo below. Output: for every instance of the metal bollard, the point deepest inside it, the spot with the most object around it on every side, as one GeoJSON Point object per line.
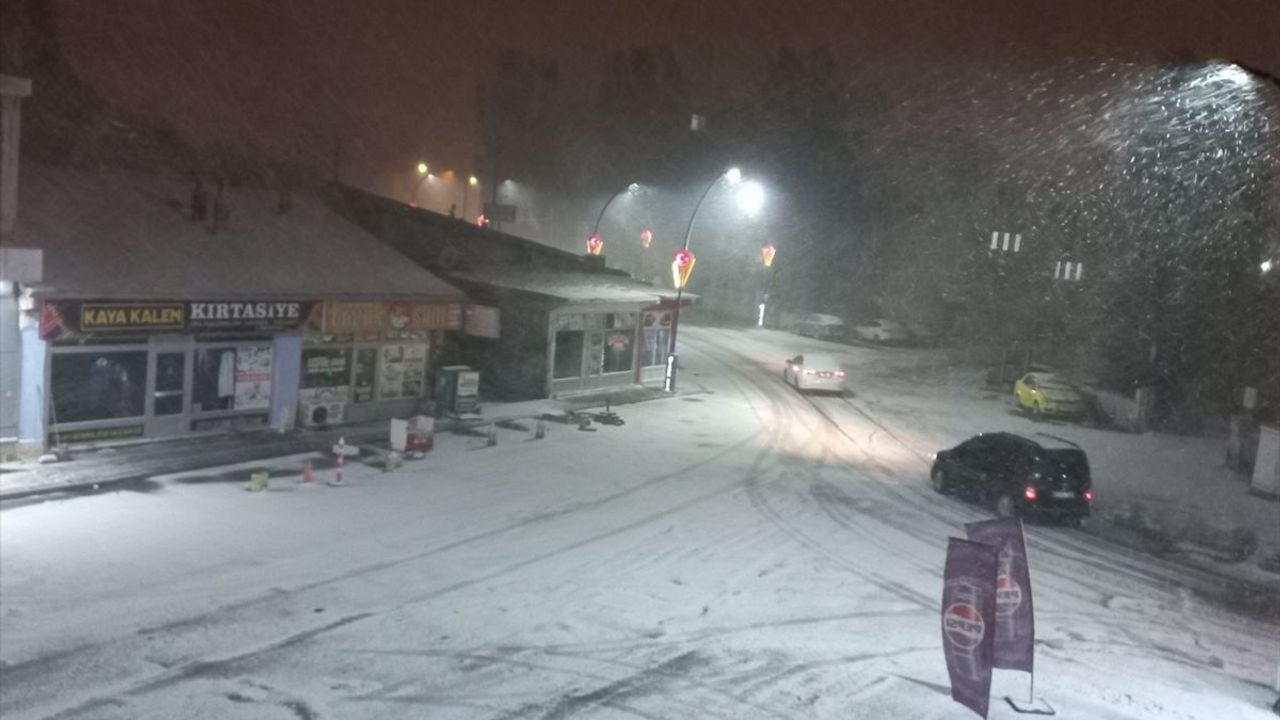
{"type": "Point", "coordinates": [493, 435]}
{"type": "Point", "coordinates": [540, 430]}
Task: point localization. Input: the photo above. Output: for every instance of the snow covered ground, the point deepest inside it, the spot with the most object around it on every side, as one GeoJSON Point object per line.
{"type": "Point", "coordinates": [741, 553]}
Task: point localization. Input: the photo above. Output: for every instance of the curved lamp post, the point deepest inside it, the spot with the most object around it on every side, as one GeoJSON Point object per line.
{"type": "Point", "coordinates": [733, 176]}
{"type": "Point", "coordinates": [595, 243]}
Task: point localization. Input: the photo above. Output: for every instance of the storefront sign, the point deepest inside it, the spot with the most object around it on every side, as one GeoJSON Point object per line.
{"type": "Point", "coordinates": [88, 435]}
{"type": "Point", "coordinates": [274, 315]}
{"type": "Point", "coordinates": [482, 321]}
{"type": "Point", "coordinates": [119, 317]}
{"type": "Point", "coordinates": [389, 320]}
{"type": "Point", "coordinates": [61, 319]}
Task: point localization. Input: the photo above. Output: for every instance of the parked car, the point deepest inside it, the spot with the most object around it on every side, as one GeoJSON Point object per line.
{"type": "Point", "coordinates": [1043, 394]}
{"type": "Point", "coordinates": [1019, 475]}
{"type": "Point", "coordinates": [820, 326]}
{"type": "Point", "coordinates": [814, 372]}
{"type": "Point", "coordinates": [882, 330]}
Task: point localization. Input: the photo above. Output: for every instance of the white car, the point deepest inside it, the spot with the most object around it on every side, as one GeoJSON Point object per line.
{"type": "Point", "coordinates": [882, 330]}
{"type": "Point", "coordinates": [820, 326]}
{"type": "Point", "coordinates": [814, 372]}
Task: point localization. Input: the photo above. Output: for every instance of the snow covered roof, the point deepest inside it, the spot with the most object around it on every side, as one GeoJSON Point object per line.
{"type": "Point", "coordinates": [568, 286]}
{"type": "Point", "coordinates": [467, 254]}
{"type": "Point", "coordinates": [111, 234]}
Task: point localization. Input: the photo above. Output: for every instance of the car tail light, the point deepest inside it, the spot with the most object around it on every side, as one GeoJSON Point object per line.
{"type": "Point", "coordinates": [1087, 495]}
{"type": "Point", "coordinates": [1030, 493]}
{"type": "Point", "coordinates": [839, 373]}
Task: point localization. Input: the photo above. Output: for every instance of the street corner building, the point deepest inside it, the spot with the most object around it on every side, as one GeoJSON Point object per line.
{"type": "Point", "coordinates": [569, 323]}
{"type": "Point", "coordinates": [153, 306]}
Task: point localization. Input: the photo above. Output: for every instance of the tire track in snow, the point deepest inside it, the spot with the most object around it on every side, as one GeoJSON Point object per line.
{"type": "Point", "coordinates": [784, 414]}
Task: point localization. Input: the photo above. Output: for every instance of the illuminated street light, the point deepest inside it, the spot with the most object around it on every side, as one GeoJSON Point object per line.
{"type": "Point", "coordinates": [425, 172]}
{"type": "Point", "coordinates": [733, 176]}
{"type": "Point", "coordinates": [751, 198]}
{"type": "Point", "coordinates": [1266, 266]}
{"type": "Point", "coordinates": [473, 181]}
{"type": "Point", "coordinates": [630, 189]}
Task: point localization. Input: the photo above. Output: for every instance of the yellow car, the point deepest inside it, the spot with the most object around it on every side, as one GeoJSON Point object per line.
{"type": "Point", "coordinates": [1044, 394]}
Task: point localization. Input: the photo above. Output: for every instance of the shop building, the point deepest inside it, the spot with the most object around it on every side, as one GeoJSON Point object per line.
{"type": "Point", "coordinates": [568, 323]}
{"type": "Point", "coordinates": [166, 306]}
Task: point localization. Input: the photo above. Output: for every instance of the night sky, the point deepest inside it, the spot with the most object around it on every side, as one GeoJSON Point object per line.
{"type": "Point", "coordinates": [396, 79]}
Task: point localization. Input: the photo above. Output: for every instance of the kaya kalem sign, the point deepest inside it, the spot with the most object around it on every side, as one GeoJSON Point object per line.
{"type": "Point", "coordinates": [70, 318]}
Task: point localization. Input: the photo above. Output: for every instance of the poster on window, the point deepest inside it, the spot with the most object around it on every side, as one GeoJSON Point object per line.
{"type": "Point", "coordinates": [253, 377]}
{"type": "Point", "coordinates": [402, 371]}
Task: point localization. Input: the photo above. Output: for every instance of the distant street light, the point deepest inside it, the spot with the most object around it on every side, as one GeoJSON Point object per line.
{"type": "Point", "coordinates": [473, 181]}
{"type": "Point", "coordinates": [425, 172]}
{"type": "Point", "coordinates": [1266, 266]}
{"type": "Point", "coordinates": [733, 176]}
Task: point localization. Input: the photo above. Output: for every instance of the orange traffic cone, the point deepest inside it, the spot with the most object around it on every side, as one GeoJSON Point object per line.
{"type": "Point", "coordinates": [308, 477]}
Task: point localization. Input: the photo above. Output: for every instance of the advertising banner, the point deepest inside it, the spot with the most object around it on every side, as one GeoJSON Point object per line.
{"type": "Point", "coordinates": [1015, 632]}
{"type": "Point", "coordinates": [968, 616]}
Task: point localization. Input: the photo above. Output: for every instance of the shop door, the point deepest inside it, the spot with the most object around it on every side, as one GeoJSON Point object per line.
{"type": "Point", "coordinates": [169, 391]}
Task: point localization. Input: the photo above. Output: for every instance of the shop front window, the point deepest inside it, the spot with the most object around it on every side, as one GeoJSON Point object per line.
{"type": "Point", "coordinates": [655, 346]}
{"type": "Point", "coordinates": [98, 386]}
{"type": "Point", "coordinates": [618, 351]}
{"type": "Point", "coordinates": [365, 376]}
{"type": "Point", "coordinates": [232, 377]}
{"type": "Point", "coordinates": [402, 371]}
{"type": "Point", "coordinates": [568, 354]}
{"type": "Point", "coordinates": [326, 367]}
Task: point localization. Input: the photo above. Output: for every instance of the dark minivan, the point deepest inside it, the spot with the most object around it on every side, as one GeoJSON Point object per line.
{"type": "Point", "coordinates": [1045, 476]}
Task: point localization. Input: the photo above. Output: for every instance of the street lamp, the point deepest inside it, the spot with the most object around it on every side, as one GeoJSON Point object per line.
{"type": "Point", "coordinates": [472, 181]}
{"type": "Point", "coordinates": [630, 189]}
{"type": "Point", "coordinates": [733, 176]}
{"type": "Point", "coordinates": [425, 172]}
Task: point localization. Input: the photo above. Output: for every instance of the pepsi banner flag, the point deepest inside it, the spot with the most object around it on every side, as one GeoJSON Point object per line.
{"type": "Point", "coordinates": [1015, 631]}
{"type": "Point", "coordinates": [968, 617]}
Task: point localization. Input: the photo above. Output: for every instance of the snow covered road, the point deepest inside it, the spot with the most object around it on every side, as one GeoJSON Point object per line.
{"type": "Point", "coordinates": [745, 552]}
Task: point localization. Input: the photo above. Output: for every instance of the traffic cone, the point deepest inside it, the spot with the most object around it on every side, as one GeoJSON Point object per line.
{"type": "Point", "coordinates": [342, 454]}
{"type": "Point", "coordinates": [308, 477]}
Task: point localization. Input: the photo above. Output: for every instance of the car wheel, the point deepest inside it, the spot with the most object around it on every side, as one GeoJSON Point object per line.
{"type": "Point", "coordinates": [939, 479]}
{"type": "Point", "coordinates": [1006, 506]}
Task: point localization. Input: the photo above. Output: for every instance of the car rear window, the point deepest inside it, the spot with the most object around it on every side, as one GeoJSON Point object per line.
{"type": "Point", "coordinates": [1073, 463]}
